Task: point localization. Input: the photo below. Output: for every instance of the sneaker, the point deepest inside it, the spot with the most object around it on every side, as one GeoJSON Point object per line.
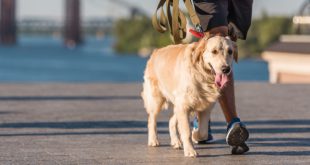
{"type": "Point", "coordinates": [238, 150]}
{"type": "Point", "coordinates": [237, 134]}
{"type": "Point", "coordinates": [210, 137]}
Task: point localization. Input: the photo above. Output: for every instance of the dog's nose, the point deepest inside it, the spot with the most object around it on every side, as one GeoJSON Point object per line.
{"type": "Point", "coordinates": [225, 69]}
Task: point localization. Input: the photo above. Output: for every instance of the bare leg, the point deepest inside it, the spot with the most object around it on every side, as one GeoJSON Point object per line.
{"type": "Point", "coordinates": [203, 125]}
{"type": "Point", "coordinates": [227, 100]}
{"type": "Point", "coordinates": [237, 133]}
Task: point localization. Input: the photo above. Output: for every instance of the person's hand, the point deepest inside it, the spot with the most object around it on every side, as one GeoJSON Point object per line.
{"type": "Point", "coordinates": [233, 32]}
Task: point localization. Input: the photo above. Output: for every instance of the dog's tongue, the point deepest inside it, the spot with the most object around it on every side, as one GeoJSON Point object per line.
{"type": "Point", "coordinates": [221, 80]}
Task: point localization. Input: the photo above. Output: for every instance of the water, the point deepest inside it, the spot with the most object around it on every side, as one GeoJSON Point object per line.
{"type": "Point", "coordinates": [45, 59]}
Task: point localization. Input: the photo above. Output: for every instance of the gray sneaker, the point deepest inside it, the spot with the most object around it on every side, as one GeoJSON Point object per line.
{"type": "Point", "coordinates": [236, 136]}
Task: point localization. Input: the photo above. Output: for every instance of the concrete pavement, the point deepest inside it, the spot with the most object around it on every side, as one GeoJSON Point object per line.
{"type": "Point", "coordinates": [106, 124]}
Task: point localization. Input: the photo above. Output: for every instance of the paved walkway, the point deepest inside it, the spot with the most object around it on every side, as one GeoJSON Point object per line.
{"type": "Point", "coordinates": [106, 124]}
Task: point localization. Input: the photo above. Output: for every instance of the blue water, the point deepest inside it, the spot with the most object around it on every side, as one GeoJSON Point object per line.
{"type": "Point", "coordinates": [45, 59]}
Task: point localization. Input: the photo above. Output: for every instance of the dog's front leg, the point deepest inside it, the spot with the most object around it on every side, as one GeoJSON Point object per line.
{"type": "Point", "coordinates": [184, 129]}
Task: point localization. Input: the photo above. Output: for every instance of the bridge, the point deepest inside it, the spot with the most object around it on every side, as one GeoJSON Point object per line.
{"type": "Point", "coordinates": [8, 27]}
{"type": "Point", "coordinates": [72, 30]}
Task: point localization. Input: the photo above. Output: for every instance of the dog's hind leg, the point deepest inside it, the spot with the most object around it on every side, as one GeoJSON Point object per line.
{"type": "Point", "coordinates": [152, 130]}
{"type": "Point", "coordinates": [153, 102]}
{"type": "Point", "coordinates": [175, 141]}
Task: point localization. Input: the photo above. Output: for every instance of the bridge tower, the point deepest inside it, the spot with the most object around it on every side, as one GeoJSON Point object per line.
{"type": "Point", "coordinates": [7, 22]}
{"type": "Point", "coordinates": [72, 31]}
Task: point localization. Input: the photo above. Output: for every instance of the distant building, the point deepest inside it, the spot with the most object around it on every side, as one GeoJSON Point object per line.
{"type": "Point", "coordinates": [289, 59]}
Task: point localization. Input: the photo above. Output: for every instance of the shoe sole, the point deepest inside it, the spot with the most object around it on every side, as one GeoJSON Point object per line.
{"type": "Point", "coordinates": [205, 141]}
{"type": "Point", "coordinates": [238, 150]}
{"type": "Point", "coordinates": [237, 135]}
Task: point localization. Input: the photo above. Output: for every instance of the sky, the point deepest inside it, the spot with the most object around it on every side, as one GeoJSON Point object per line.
{"type": "Point", "coordinates": [103, 8]}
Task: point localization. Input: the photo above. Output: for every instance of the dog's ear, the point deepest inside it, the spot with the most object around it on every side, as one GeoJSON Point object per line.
{"type": "Point", "coordinates": [198, 50]}
{"type": "Point", "coordinates": [235, 54]}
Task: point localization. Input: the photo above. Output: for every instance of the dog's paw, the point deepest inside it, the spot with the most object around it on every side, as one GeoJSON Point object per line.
{"type": "Point", "coordinates": [153, 143]}
{"type": "Point", "coordinates": [190, 153]}
{"type": "Point", "coordinates": [176, 144]}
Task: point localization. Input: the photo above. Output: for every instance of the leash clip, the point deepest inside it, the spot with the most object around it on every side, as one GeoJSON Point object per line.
{"type": "Point", "coordinates": [198, 33]}
{"type": "Point", "coordinates": [199, 28]}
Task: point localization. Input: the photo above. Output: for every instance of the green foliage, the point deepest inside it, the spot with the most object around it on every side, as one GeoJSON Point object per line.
{"type": "Point", "coordinates": [263, 32]}
{"type": "Point", "coordinates": [133, 34]}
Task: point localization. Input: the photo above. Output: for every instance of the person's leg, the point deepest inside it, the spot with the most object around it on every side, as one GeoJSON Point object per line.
{"type": "Point", "coordinates": [239, 18]}
{"type": "Point", "coordinates": [236, 14]}
{"type": "Point", "coordinates": [210, 138]}
{"type": "Point", "coordinates": [213, 19]}
{"type": "Point", "coordinates": [237, 134]}
{"type": "Point", "coordinates": [213, 15]}
{"type": "Point", "coordinates": [227, 100]}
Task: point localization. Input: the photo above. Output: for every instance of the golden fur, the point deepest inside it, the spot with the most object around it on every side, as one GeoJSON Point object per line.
{"type": "Point", "coordinates": [183, 75]}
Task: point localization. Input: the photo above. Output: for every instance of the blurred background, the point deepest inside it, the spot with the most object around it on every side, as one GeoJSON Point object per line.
{"type": "Point", "coordinates": [109, 41]}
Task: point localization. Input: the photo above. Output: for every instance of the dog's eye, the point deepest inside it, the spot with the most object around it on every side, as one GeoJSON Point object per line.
{"type": "Point", "coordinates": [214, 51]}
{"type": "Point", "coordinates": [229, 51]}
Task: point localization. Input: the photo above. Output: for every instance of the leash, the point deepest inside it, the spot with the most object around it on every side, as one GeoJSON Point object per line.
{"type": "Point", "coordinates": [175, 20]}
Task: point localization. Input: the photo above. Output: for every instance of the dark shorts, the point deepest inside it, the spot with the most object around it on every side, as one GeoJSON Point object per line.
{"type": "Point", "coordinates": [214, 13]}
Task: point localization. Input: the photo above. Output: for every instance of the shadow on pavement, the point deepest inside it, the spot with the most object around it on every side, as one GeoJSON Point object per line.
{"type": "Point", "coordinates": [66, 98]}
{"type": "Point", "coordinates": [80, 133]}
{"type": "Point", "coordinates": [82, 124]}
{"type": "Point", "coordinates": [143, 124]}
{"type": "Point", "coordinates": [125, 127]}
{"type": "Point", "coordinates": [281, 153]}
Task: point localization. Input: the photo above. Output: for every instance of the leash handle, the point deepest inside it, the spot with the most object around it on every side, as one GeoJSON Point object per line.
{"type": "Point", "coordinates": [175, 20]}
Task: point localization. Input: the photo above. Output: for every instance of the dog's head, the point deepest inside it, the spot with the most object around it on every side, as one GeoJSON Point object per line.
{"type": "Point", "coordinates": [217, 54]}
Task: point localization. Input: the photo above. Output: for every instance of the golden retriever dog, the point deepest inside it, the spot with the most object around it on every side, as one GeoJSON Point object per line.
{"type": "Point", "coordinates": [189, 77]}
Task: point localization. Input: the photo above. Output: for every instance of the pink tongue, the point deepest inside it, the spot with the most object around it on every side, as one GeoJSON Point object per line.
{"type": "Point", "coordinates": [221, 80]}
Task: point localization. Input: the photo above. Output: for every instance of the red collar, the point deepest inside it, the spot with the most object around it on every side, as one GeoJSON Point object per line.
{"type": "Point", "coordinates": [196, 33]}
